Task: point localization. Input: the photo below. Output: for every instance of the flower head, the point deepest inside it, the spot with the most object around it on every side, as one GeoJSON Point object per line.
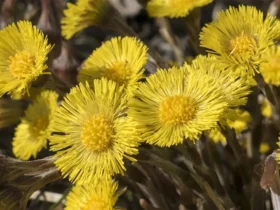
{"type": "Point", "coordinates": [119, 59]}
{"type": "Point", "coordinates": [216, 135]}
{"type": "Point", "coordinates": [176, 104]}
{"type": "Point", "coordinates": [271, 69]}
{"type": "Point", "coordinates": [81, 15]}
{"type": "Point", "coordinates": [92, 132]}
{"type": "Point", "coordinates": [264, 147]}
{"type": "Point", "coordinates": [266, 109]}
{"type": "Point", "coordinates": [241, 38]}
{"type": "Point", "coordinates": [234, 88]}
{"type": "Point", "coordinates": [173, 8]}
{"type": "Point", "coordinates": [239, 124]}
{"type": "Point", "coordinates": [99, 196]}
{"type": "Point", "coordinates": [32, 133]}
{"type": "Point", "coordinates": [23, 53]}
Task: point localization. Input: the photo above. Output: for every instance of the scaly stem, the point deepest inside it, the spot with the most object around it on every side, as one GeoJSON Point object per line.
{"type": "Point", "coordinates": [171, 38]}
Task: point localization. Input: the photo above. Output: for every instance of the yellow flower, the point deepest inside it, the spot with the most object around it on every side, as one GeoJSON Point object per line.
{"type": "Point", "coordinates": [23, 53]}
{"type": "Point", "coordinates": [83, 14]}
{"type": "Point", "coordinates": [92, 132]}
{"type": "Point", "coordinates": [173, 105]}
{"type": "Point", "coordinates": [234, 88]}
{"type": "Point", "coordinates": [241, 38]}
{"type": "Point", "coordinates": [32, 133]}
{"type": "Point", "coordinates": [266, 109]}
{"type": "Point", "coordinates": [239, 124]}
{"type": "Point", "coordinates": [119, 59]}
{"type": "Point", "coordinates": [216, 135]}
{"type": "Point", "coordinates": [264, 147]}
{"type": "Point", "coordinates": [173, 8]}
{"type": "Point", "coordinates": [271, 69]}
{"type": "Point", "coordinates": [101, 196]}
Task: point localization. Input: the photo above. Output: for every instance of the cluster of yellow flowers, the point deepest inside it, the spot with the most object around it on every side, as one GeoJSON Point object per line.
{"type": "Point", "coordinates": [114, 108]}
{"type": "Point", "coordinates": [243, 41]}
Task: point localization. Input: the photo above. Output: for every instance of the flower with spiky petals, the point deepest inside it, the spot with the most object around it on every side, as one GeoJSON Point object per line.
{"type": "Point", "coordinates": [216, 135]}
{"type": "Point", "coordinates": [241, 38]}
{"type": "Point", "coordinates": [173, 8]}
{"type": "Point", "coordinates": [100, 196]}
{"type": "Point", "coordinates": [83, 14]}
{"type": "Point", "coordinates": [23, 54]}
{"type": "Point", "coordinates": [271, 70]}
{"type": "Point", "coordinates": [119, 59]}
{"type": "Point", "coordinates": [92, 132]}
{"type": "Point", "coordinates": [234, 88]}
{"type": "Point", "coordinates": [239, 123]}
{"type": "Point", "coordinates": [32, 133]}
{"type": "Point", "coordinates": [264, 147]}
{"type": "Point", "coordinates": [175, 104]}
{"type": "Point", "coordinates": [266, 109]}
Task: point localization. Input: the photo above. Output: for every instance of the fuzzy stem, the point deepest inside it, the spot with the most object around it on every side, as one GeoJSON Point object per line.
{"type": "Point", "coordinates": [20, 179]}
{"type": "Point", "coordinates": [171, 38]}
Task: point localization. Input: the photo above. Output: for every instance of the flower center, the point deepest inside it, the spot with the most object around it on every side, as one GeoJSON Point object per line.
{"type": "Point", "coordinates": [242, 44]}
{"type": "Point", "coordinates": [21, 64]}
{"type": "Point", "coordinates": [39, 125]}
{"type": "Point", "coordinates": [97, 134]}
{"type": "Point", "coordinates": [95, 204]}
{"type": "Point", "coordinates": [177, 110]}
{"type": "Point", "coordinates": [118, 72]}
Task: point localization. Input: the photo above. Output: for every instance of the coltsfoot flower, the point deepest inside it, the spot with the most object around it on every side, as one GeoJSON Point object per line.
{"type": "Point", "coordinates": [32, 133]}
{"type": "Point", "coordinates": [93, 133]}
{"type": "Point", "coordinates": [266, 109]}
{"type": "Point", "coordinates": [234, 88]}
{"type": "Point", "coordinates": [216, 135]}
{"type": "Point", "coordinates": [271, 69]}
{"type": "Point", "coordinates": [173, 8]}
{"type": "Point", "coordinates": [119, 59]}
{"type": "Point", "coordinates": [239, 124]}
{"type": "Point", "coordinates": [101, 196]}
{"type": "Point", "coordinates": [264, 147]}
{"type": "Point", "coordinates": [23, 55]}
{"type": "Point", "coordinates": [241, 38]}
{"type": "Point", "coordinates": [176, 104]}
{"type": "Point", "coordinates": [81, 15]}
